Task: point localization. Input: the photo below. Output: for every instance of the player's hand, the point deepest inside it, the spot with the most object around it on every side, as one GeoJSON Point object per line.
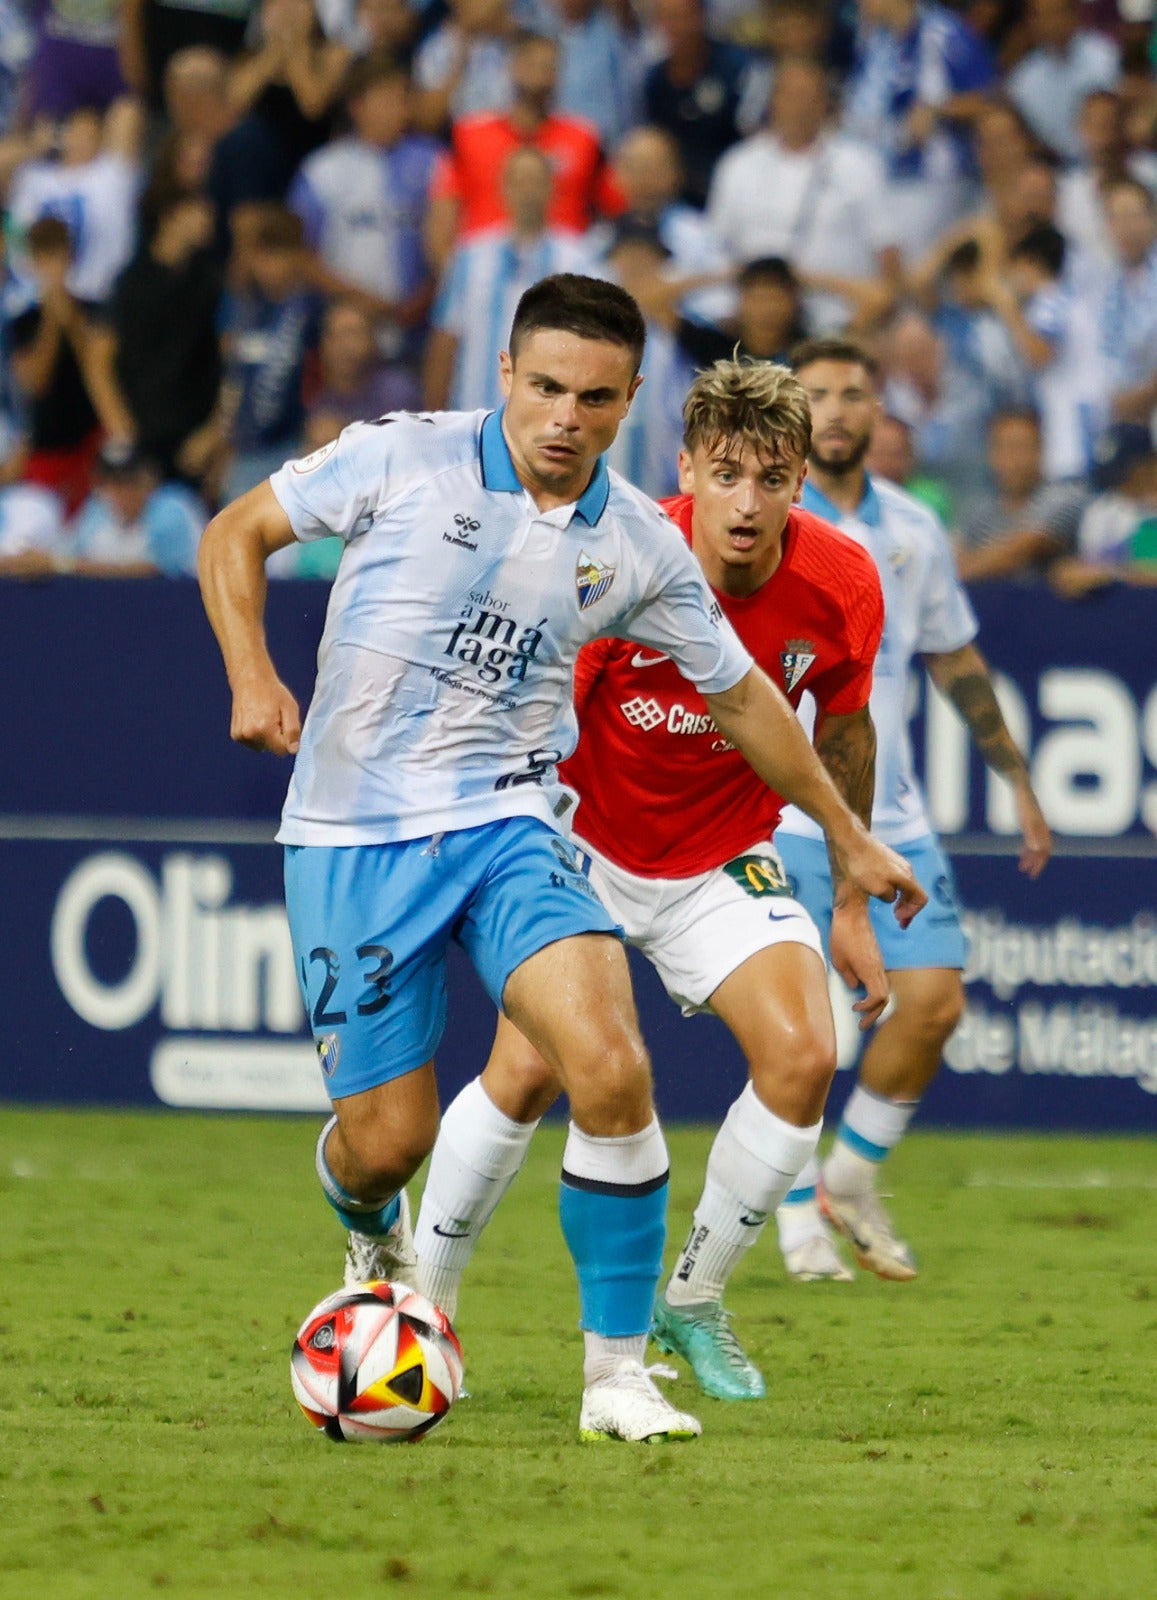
{"type": "Point", "coordinates": [1038, 839]}
{"type": "Point", "coordinates": [265, 715]}
{"type": "Point", "coordinates": [856, 957]}
{"type": "Point", "coordinates": [872, 867]}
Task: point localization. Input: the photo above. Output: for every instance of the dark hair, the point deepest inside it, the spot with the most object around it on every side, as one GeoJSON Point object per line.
{"type": "Point", "coordinates": [588, 307]}
{"type": "Point", "coordinates": [49, 236]}
{"type": "Point", "coordinates": [965, 258]}
{"type": "Point", "coordinates": [380, 66]}
{"type": "Point", "coordinates": [1027, 414]}
{"type": "Point", "coordinates": [1127, 181]}
{"type": "Point", "coordinates": [524, 38]}
{"type": "Point", "coordinates": [161, 199]}
{"type": "Point", "coordinates": [277, 227]}
{"type": "Point", "coordinates": [768, 269]}
{"type": "Point", "coordinates": [1044, 245]}
{"type": "Point", "coordinates": [809, 351]}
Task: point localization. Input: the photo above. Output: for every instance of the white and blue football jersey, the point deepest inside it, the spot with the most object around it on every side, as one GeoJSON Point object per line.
{"type": "Point", "coordinates": [925, 609]}
{"type": "Point", "coordinates": [445, 674]}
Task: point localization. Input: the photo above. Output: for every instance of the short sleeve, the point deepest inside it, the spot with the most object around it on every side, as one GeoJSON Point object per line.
{"type": "Point", "coordinates": [947, 620]}
{"type": "Point", "coordinates": [333, 490]}
{"type": "Point", "coordinates": [683, 619]}
{"type": "Point", "coordinates": [848, 687]}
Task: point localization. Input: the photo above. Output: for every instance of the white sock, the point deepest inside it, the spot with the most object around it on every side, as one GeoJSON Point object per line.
{"type": "Point", "coordinates": [871, 1126]}
{"type": "Point", "coordinates": [752, 1165]}
{"type": "Point", "coordinates": [602, 1356]}
{"type": "Point", "coordinates": [477, 1156]}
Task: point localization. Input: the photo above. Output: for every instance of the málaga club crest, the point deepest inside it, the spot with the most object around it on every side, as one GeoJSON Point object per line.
{"type": "Point", "coordinates": [592, 580]}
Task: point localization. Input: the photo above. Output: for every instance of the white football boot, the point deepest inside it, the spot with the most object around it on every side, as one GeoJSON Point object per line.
{"type": "Point", "coordinates": [815, 1260]}
{"type": "Point", "coordinates": [868, 1228]}
{"type": "Point", "coordinates": [628, 1406]}
{"type": "Point", "coordinates": [392, 1258]}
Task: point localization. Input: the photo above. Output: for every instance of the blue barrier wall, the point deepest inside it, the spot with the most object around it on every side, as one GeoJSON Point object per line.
{"type": "Point", "coordinates": [144, 956]}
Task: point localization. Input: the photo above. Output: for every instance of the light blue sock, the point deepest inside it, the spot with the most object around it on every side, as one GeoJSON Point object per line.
{"type": "Point", "coordinates": [613, 1208]}
{"type": "Point", "coordinates": [373, 1218]}
{"type": "Point", "coordinates": [803, 1189]}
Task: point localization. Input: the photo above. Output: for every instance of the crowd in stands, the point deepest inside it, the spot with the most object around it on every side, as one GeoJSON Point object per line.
{"type": "Point", "coordinates": [233, 226]}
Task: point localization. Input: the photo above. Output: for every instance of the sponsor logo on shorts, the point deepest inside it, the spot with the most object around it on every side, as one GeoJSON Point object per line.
{"type": "Point", "coordinates": [593, 580]}
{"type": "Point", "coordinates": [757, 875]}
{"type": "Point", "coordinates": [329, 1053]}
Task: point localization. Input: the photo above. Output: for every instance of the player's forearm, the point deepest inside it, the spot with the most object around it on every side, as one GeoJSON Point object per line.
{"type": "Point", "coordinates": [847, 748]}
{"type": "Point", "coordinates": [761, 724]}
{"type": "Point", "coordinates": [963, 677]}
{"type": "Point", "coordinates": [231, 570]}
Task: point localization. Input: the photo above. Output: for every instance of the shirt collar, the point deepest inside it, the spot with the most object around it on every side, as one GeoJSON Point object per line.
{"type": "Point", "coordinates": [868, 511]}
{"type": "Point", "coordinates": [498, 471]}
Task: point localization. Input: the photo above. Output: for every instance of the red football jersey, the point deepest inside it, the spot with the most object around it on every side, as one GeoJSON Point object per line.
{"type": "Point", "coordinates": [662, 792]}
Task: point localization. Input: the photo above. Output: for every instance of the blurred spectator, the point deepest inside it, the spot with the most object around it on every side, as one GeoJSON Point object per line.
{"type": "Point", "coordinates": [283, 91]}
{"type": "Point", "coordinates": [649, 175]}
{"type": "Point", "coordinates": [646, 448]}
{"type": "Point", "coordinates": [1024, 201]}
{"type": "Point", "coordinates": [62, 359]}
{"type": "Point", "coordinates": [362, 200]}
{"type": "Point", "coordinates": [1081, 191]}
{"type": "Point", "coordinates": [892, 455]}
{"type": "Point", "coordinates": [485, 278]}
{"type": "Point", "coordinates": [354, 383]}
{"type": "Point", "coordinates": [466, 194]}
{"type": "Point", "coordinates": [1055, 334]}
{"type": "Point", "coordinates": [133, 525]}
{"type": "Point", "coordinates": [77, 58]}
{"type": "Point", "coordinates": [1064, 64]}
{"type": "Point", "coordinates": [706, 92]}
{"type": "Point", "coordinates": [92, 188]}
{"type": "Point", "coordinates": [1128, 313]}
{"type": "Point", "coordinates": [464, 68]}
{"type": "Point", "coordinates": [803, 192]}
{"type": "Point", "coordinates": [806, 28]}
{"type": "Point", "coordinates": [386, 25]}
{"type": "Point", "coordinates": [155, 31]}
{"type": "Point", "coordinates": [164, 319]}
{"type": "Point", "coordinates": [920, 79]}
{"type": "Point", "coordinates": [199, 114]}
{"type": "Point", "coordinates": [942, 403]}
{"type": "Point", "coordinates": [31, 530]}
{"type": "Point", "coordinates": [17, 42]}
{"type": "Point", "coordinates": [1117, 538]}
{"type": "Point", "coordinates": [600, 63]}
{"type": "Point", "coordinates": [269, 331]}
{"type": "Point", "coordinates": [768, 321]}
{"type": "Point", "coordinates": [1020, 525]}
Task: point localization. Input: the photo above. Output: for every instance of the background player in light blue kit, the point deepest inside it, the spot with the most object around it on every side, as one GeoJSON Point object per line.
{"type": "Point", "coordinates": [482, 551]}
{"type": "Point", "coordinates": [926, 613]}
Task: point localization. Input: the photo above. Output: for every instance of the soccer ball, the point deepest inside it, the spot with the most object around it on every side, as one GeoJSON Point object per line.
{"type": "Point", "coordinates": [376, 1361]}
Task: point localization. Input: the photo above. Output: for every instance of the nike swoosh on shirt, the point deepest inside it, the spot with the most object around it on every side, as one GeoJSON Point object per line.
{"type": "Point", "coordinates": [640, 660]}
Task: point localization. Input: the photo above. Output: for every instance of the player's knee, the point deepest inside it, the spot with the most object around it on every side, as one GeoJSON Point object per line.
{"type": "Point", "coordinates": [939, 1010]}
{"type": "Point", "coordinates": [522, 1086]}
{"type": "Point", "coordinates": [797, 1072]}
{"type": "Point", "coordinates": [381, 1157]}
{"type": "Point", "coordinates": [609, 1085]}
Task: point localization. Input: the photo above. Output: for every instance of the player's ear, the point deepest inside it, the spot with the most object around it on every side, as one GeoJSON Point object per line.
{"type": "Point", "coordinates": [505, 372]}
{"type": "Point", "coordinates": [686, 473]}
{"type": "Point", "coordinates": [798, 495]}
{"type": "Point", "coordinates": [634, 389]}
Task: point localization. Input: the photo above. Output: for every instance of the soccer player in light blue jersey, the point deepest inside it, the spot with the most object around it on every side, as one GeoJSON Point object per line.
{"type": "Point", "coordinates": [482, 550]}
{"type": "Point", "coordinates": [927, 614]}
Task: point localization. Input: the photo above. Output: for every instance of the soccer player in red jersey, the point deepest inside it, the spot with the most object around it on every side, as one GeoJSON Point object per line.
{"type": "Point", "coordinates": [677, 832]}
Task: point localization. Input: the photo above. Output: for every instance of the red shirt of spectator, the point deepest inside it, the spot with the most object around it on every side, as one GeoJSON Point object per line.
{"type": "Point", "coordinates": [662, 793]}
{"type": "Point", "coordinates": [471, 172]}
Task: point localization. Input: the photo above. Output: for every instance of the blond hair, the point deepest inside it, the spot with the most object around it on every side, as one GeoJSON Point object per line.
{"type": "Point", "coordinates": [759, 402]}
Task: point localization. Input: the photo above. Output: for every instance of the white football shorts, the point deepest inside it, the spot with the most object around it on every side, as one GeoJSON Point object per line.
{"type": "Point", "coordinates": [696, 931]}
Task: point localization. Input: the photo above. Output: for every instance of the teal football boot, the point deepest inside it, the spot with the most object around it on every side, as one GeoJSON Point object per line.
{"type": "Point", "coordinates": [702, 1335]}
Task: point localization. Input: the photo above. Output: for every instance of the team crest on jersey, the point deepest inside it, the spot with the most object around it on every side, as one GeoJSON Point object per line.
{"type": "Point", "coordinates": [592, 580]}
{"type": "Point", "coordinates": [898, 557]}
{"type": "Point", "coordinates": [795, 659]}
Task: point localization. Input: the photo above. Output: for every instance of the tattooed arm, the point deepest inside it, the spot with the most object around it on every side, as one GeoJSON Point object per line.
{"type": "Point", "coordinates": [847, 748]}
{"type": "Point", "coordinates": [962, 676]}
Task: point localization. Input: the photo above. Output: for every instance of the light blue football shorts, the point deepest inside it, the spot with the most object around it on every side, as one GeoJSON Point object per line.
{"type": "Point", "coordinates": [935, 938]}
{"type": "Point", "coordinates": [371, 923]}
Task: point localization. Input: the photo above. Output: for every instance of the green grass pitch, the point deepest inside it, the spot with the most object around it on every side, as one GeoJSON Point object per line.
{"type": "Point", "coordinates": [988, 1432]}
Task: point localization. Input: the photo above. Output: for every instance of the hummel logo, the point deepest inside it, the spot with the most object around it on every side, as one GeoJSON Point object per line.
{"type": "Point", "coordinates": [444, 1233]}
{"type": "Point", "coordinates": [645, 714]}
{"type": "Point", "coordinates": [463, 525]}
{"type": "Point", "coordinates": [640, 660]}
